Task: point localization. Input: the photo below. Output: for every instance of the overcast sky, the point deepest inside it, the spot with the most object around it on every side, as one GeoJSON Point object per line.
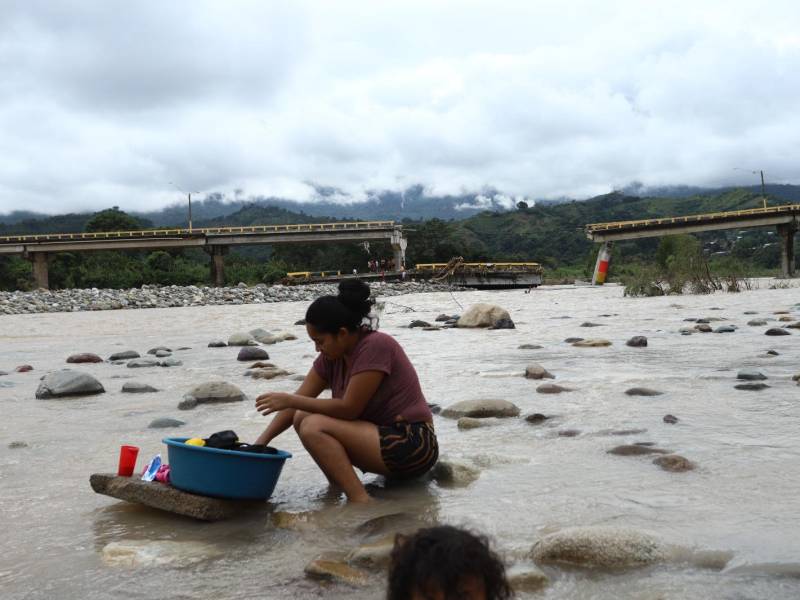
{"type": "Point", "coordinates": [105, 103]}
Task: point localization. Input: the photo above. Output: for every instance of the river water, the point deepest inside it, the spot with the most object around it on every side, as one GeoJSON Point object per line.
{"type": "Point", "coordinates": [742, 502]}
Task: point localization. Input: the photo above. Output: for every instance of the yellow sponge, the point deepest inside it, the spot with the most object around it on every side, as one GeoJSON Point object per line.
{"type": "Point", "coordinates": [195, 442]}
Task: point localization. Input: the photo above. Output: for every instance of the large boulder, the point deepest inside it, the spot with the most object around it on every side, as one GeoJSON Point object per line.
{"type": "Point", "coordinates": [84, 357]}
{"type": "Point", "coordinates": [213, 392]}
{"type": "Point", "coordinates": [537, 371]}
{"type": "Point", "coordinates": [637, 341]}
{"type": "Point", "coordinates": [750, 375]}
{"type": "Point", "coordinates": [481, 409]}
{"type": "Point", "coordinates": [482, 315]}
{"type": "Point", "coordinates": [66, 382]}
{"type": "Point", "coordinates": [599, 547]}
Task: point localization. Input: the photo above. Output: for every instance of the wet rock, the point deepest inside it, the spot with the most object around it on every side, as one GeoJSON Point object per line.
{"type": "Point", "coordinates": [435, 408]}
{"type": "Point", "coordinates": [552, 388]}
{"type": "Point", "coordinates": [285, 336]}
{"type": "Point", "coordinates": [158, 349]}
{"type": "Point", "coordinates": [17, 445]}
{"type": "Point", "coordinates": [569, 433]}
{"type": "Point", "coordinates": [182, 348]}
{"type": "Point", "coordinates": [165, 423]}
{"type": "Point", "coordinates": [58, 384]}
{"type": "Point", "coordinates": [134, 387]}
{"type": "Point", "coordinates": [241, 339]}
{"type": "Point", "coordinates": [703, 328]}
{"type": "Point", "coordinates": [164, 497]}
{"type": "Point", "coordinates": [684, 331]}
{"type": "Point", "coordinates": [751, 386]}
{"type": "Point", "coordinates": [157, 553]}
{"type": "Point", "coordinates": [23, 368]}
{"type": "Point", "coordinates": [217, 344]}
{"type": "Point", "coordinates": [795, 325]}
{"type": "Point", "coordinates": [786, 319]}
{"type": "Point", "coordinates": [267, 373]}
{"type": "Point", "coordinates": [776, 331]}
{"type": "Point", "coordinates": [140, 363]}
{"type": "Point", "coordinates": [642, 391]}
{"type": "Point", "coordinates": [750, 312]}
{"type": "Point", "coordinates": [573, 340]}
{"type": "Point", "coordinates": [757, 322]}
{"type": "Point", "coordinates": [526, 579]}
{"type": "Point", "coordinates": [536, 418]}
{"type": "Point", "coordinates": [529, 347]}
{"type": "Point", "coordinates": [213, 392]}
{"type": "Point", "coordinates": [637, 341]}
{"type": "Point", "coordinates": [170, 362]}
{"type": "Point", "coordinates": [465, 423]}
{"type": "Point", "coordinates": [335, 571]}
{"type": "Point", "coordinates": [432, 328]}
{"type": "Point", "coordinates": [796, 377]}
{"type": "Point", "coordinates": [294, 521]}
{"type": "Point", "coordinates": [590, 324]}
{"type": "Point", "coordinates": [599, 547]}
{"type": "Point", "coordinates": [374, 555]}
{"type": "Point", "coordinates": [418, 323]}
{"type": "Point", "coordinates": [481, 409]}
{"type": "Point", "coordinates": [537, 371]}
{"type": "Point", "coordinates": [725, 329]}
{"type": "Point", "coordinates": [454, 473]}
{"type": "Point", "coordinates": [250, 353]}
{"type": "Point", "coordinates": [300, 322]}
{"type": "Point", "coordinates": [263, 365]}
{"type": "Point", "coordinates": [595, 343]}
{"type": "Point", "coordinates": [627, 432]}
{"type": "Point", "coordinates": [482, 315]}
{"type": "Point", "coordinates": [163, 354]}
{"type": "Point", "coordinates": [772, 353]}
{"type": "Point", "coordinates": [503, 324]}
{"type": "Point", "coordinates": [636, 450]}
{"type": "Point", "coordinates": [86, 357]}
{"type": "Point", "coordinates": [750, 375]}
{"type": "Point", "coordinates": [263, 336]}
{"type": "Point", "coordinates": [124, 355]}
{"type": "Point", "coordinates": [442, 318]}
{"type": "Point", "coordinates": [3, 373]}
{"type": "Point", "coordinates": [674, 463]}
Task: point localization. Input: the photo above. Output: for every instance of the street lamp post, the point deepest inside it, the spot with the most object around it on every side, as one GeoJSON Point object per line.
{"type": "Point", "coordinates": [189, 194]}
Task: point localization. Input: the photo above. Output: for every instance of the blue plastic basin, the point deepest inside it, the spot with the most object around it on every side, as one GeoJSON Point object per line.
{"type": "Point", "coordinates": [223, 473]}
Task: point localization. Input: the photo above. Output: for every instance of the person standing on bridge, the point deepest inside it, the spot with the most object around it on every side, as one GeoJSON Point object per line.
{"type": "Point", "coordinates": [377, 418]}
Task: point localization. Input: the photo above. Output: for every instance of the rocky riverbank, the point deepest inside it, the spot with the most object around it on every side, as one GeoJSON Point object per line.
{"type": "Point", "coordinates": [153, 296]}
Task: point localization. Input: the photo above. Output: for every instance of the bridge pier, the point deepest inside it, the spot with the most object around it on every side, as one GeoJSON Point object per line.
{"type": "Point", "coordinates": [41, 276]}
{"type": "Point", "coordinates": [787, 232]}
{"type": "Point", "coordinates": [217, 264]}
{"type": "Point", "coordinates": [399, 244]}
{"type": "Point", "coordinates": [601, 266]}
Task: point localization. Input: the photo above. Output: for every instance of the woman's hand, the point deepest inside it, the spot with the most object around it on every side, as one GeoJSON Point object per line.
{"type": "Point", "coordinates": [272, 402]}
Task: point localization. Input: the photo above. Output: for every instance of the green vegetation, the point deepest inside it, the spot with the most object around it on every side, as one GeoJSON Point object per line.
{"type": "Point", "coordinates": [552, 235]}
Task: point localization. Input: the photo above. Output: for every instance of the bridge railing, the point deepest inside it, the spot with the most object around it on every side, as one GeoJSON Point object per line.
{"type": "Point", "coordinates": [162, 233]}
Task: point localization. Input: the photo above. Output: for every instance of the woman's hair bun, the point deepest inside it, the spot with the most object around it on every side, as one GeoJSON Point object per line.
{"type": "Point", "coordinates": [354, 294]}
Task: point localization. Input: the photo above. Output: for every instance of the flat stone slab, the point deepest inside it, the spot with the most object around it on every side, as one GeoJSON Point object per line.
{"type": "Point", "coordinates": [165, 497]}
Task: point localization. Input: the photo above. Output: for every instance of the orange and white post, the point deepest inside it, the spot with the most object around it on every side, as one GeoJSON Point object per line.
{"type": "Point", "coordinates": [601, 267]}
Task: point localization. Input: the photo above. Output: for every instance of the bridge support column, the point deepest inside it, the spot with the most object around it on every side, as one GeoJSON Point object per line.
{"type": "Point", "coordinates": [399, 244]}
{"type": "Point", "coordinates": [601, 266]}
{"type": "Point", "coordinates": [40, 262]}
{"type": "Point", "coordinates": [787, 233]}
{"type": "Point", "coordinates": [217, 264]}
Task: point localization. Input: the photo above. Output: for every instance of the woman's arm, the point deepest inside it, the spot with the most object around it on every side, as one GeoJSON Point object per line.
{"type": "Point", "coordinates": [360, 389]}
{"type": "Point", "coordinates": [312, 386]}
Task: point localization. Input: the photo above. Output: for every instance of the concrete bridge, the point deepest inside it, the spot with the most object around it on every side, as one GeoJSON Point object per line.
{"type": "Point", "coordinates": [216, 241]}
{"type": "Point", "coordinates": [785, 218]}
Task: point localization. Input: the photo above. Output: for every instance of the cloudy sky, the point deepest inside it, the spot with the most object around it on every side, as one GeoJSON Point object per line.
{"type": "Point", "coordinates": [106, 103]}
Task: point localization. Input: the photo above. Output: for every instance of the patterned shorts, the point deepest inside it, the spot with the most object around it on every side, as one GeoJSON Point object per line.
{"type": "Point", "coordinates": [408, 449]}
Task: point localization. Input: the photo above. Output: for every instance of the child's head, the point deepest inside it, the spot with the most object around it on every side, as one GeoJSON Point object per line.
{"type": "Point", "coordinates": [446, 563]}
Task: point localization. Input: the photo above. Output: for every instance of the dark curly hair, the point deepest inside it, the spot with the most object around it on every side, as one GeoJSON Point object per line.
{"type": "Point", "coordinates": [439, 559]}
{"type": "Point", "coordinates": [329, 314]}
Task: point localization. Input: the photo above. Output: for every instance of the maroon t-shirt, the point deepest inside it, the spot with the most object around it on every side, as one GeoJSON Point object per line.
{"type": "Point", "coordinates": [398, 395]}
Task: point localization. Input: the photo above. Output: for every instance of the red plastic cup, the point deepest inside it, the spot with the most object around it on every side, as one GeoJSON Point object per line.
{"type": "Point", "coordinates": [127, 460]}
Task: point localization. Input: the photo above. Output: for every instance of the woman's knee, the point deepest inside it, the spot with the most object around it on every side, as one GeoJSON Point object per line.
{"type": "Point", "coordinates": [310, 424]}
{"type": "Point", "coordinates": [299, 417]}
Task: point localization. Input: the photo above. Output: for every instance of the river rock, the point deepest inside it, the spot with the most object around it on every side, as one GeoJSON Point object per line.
{"type": "Point", "coordinates": [249, 353]}
{"type": "Point", "coordinates": [529, 347]}
{"type": "Point", "coordinates": [757, 322]}
{"type": "Point", "coordinates": [241, 339]}
{"type": "Point", "coordinates": [66, 382]}
{"type": "Point", "coordinates": [526, 579]}
{"type": "Point", "coordinates": [595, 343]}
{"type": "Point", "coordinates": [165, 423]}
{"type": "Point", "coordinates": [17, 445]}
{"type": "Point", "coordinates": [670, 419]}
{"type": "Point", "coordinates": [454, 473]}
{"type": "Point", "coordinates": [482, 315]}
{"type": "Point", "coordinates": [86, 357]}
{"type": "Point", "coordinates": [373, 555]}
{"type": "Point", "coordinates": [157, 553]}
{"type": "Point", "coordinates": [23, 368]}
{"type": "Point", "coordinates": [637, 341]}
{"type": "Point", "coordinates": [795, 325]}
{"type": "Point", "coordinates": [442, 318]}
{"type": "Point", "coordinates": [703, 328]}
{"type": "Point", "coordinates": [590, 324]}
{"type": "Point", "coordinates": [675, 463]}
{"type": "Point", "coordinates": [335, 571]}
{"type": "Point", "coordinates": [170, 362]}
{"type": "Point", "coordinates": [213, 392]}
{"type": "Point", "coordinates": [785, 319]}
{"type": "Point", "coordinates": [164, 497]}
{"type": "Point", "coordinates": [599, 547]}
{"type": "Point", "coordinates": [568, 433]}
{"type": "Point", "coordinates": [536, 418]}
{"type": "Point", "coordinates": [751, 386]}
{"type": "Point", "coordinates": [750, 375]}
{"type": "Point", "coordinates": [725, 329]}
{"type": "Point", "coordinates": [796, 377]}
{"type": "Point", "coordinates": [776, 331]}
{"type": "Point", "coordinates": [552, 388]}
{"type": "Point", "coordinates": [503, 324]}
{"type": "Point", "coordinates": [573, 340]}
{"type": "Point", "coordinates": [435, 408]}
{"type": "Point", "coordinates": [124, 355]}
{"type": "Point", "coordinates": [642, 391]}
{"type": "Point", "coordinates": [217, 344]}
{"type": "Point", "coordinates": [537, 371]}
{"type": "Point", "coordinates": [300, 322]}
{"type": "Point", "coordinates": [418, 323]}
{"type": "Point", "coordinates": [138, 363]}
{"type": "Point", "coordinates": [481, 409]}
{"type": "Point", "coordinates": [134, 387]}
{"type": "Point", "coordinates": [267, 373]}
{"type": "Point", "coordinates": [3, 373]}
{"type": "Point", "coordinates": [158, 349]}
{"type": "Point", "coordinates": [465, 423]}
{"type": "Point", "coordinates": [163, 353]}
{"type": "Point", "coordinates": [636, 450]}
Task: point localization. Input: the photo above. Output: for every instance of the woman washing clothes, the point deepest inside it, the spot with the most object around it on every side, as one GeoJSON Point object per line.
{"type": "Point", "coordinates": [377, 419]}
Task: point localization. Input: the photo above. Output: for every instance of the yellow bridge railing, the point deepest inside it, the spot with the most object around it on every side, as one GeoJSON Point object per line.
{"type": "Point", "coordinates": [170, 233]}
{"type": "Point", "coordinates": [479, 265]}
{"type": "Point", "coordinates": [750, 212]}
